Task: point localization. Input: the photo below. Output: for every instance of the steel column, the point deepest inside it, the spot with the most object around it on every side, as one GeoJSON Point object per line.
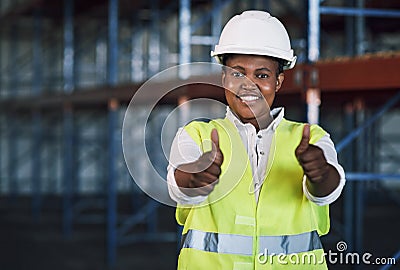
{"type": "Point", "coordinates": [36, 117]}
{"type": "Point", "coordinates": [1, 65]}
{"type": "Point", "coordinates": [206, 17]}
{"type": "Point", "coordinates": [216, 22]}
{"type": "Point", "coordinates": [53, 54]}
{"type": "Point", "coordinates": [112, 79]}
{"type": "Point", "coordinates": [2, 139]}
{"type": "Point", "coordinates": [12, 155]}
{"type": "Point", "coordinates": [112, 185]}
{"type": "Point", "coordinates": [101, 59]}
{"type": "Point", "coordinates": [154, 146]}
{"type": "Point", "coordinates": [68, 61]}
{"type": "Point", "coordinates": [313, 98]}
{"type": "Point", "coordinates": [68, 146]}
{"type": "Point", "coordinates": [12, 60]}
{"type": "Point", "coordinates": [349, 31]}
{"type": "Point", "coordinates": [265, 5]}
{"type": "Point", "coordinates": [151, 143]}
{"type": "Point", "coordinates": [36, 164]}
{"type": "Point", "coordinates": [312, 93]}
{"type": "Point", "coordinates": [112, 74]}
{"type": "Point", "coordinates": [360, 30]}
{"type": "Point", "coordinates": [359, 186]}
{"type": "Point", "coordinates": [313, 30]}
{"type": "Point", "coordinates": [184, 37]}
{"type": "Point", "coordinates": [37, 53]}
{"type": "Point", "coordinates": [12, 120]}
{"type": "Point", "coordinates": [348, 192]}
{"type": "Point", "coordinates": [154, 39]}
{"type": "Point", "coordinates": [137, 63]}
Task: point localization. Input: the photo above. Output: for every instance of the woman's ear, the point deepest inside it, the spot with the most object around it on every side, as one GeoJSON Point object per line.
{"type": "Point", "coordinates": [279, 81]}
{"type": "Point", "coordinates": [223, 76]}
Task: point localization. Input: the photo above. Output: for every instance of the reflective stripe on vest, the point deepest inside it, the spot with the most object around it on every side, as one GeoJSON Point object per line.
{"type": "Point", "coordinates": [243, 245]}
{"type": "Point", "coordinates": [288, 244]}
{"type": "Point", "coordinates": [218, 242]}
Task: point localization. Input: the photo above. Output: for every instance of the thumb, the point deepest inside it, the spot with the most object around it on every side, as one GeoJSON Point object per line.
{"type": "Point", "coordinates": [218, 156]}
{"type": "Point", "coordinates": [215, 139]}
{"type": "Point", "coordinates": [305, 141]}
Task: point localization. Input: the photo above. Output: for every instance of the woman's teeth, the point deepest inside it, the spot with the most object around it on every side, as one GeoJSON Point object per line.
{"type": "Point", "coordinates": [248, 98]}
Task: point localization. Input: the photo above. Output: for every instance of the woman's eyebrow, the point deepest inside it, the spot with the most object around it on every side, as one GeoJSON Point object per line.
{"type": "Point", "coordinates": [238, 67]}
{"type": "Point", "coordinates": [263, 69]}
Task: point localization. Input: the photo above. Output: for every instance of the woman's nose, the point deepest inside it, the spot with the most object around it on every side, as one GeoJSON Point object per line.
{"type": "Point", "coordinates": [247, 84]}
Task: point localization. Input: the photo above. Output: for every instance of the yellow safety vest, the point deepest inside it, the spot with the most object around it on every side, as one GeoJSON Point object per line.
{"type": "Point", "coordinates": [229, 230]}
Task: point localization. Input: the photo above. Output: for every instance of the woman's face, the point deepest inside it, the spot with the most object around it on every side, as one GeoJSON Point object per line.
{"type": "Point", "coordinates": [250, 83]}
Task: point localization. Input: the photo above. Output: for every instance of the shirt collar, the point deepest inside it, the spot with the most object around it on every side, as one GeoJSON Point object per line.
{"type": "Point", "coordinates": [277, 114]}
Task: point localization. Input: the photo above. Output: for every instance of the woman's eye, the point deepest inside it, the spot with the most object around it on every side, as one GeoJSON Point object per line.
{"type": "Point", "coordinates": [262, 76]}
{"type": "Point", "coordinates": [237, 74]}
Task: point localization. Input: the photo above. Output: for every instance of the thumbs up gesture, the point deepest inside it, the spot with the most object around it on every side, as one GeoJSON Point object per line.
{"type": "Point", "coordinates": [311, 158]}
{"type": "Point", "coordinates": [201, 176]}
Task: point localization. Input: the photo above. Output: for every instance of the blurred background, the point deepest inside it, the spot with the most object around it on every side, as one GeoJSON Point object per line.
{"type": "Point", "coordinates": [68, 70]}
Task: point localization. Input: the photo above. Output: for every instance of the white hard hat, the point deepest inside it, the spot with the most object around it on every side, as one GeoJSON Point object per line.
{"type": "Point", "coordinates": [255, 32]}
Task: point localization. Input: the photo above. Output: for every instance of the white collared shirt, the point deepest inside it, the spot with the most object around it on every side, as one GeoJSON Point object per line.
{"type": "Point", "coordinates": [257, 144]}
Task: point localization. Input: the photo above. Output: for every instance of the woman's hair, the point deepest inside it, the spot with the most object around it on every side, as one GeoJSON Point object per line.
{"type": "Point", "coordinates": [281, 62]}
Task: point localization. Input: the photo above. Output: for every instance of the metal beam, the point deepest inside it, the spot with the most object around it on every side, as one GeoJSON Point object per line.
{"type": "Point", "coordinates": [346, 11]}
{"type": "Point", "coordinates": [351, 81]}
{"type": "Point", "coordinates": [355, 73]}
{"type": "Point", "coordinates": [361, 176]}
{"type": "Point", "coordinates": [203, 40]}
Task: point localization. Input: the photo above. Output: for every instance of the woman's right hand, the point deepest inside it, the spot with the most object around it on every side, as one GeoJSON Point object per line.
{"type": "Point", "coordinates": [201, 176]}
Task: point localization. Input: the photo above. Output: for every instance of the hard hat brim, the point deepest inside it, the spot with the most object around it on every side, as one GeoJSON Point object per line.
{"type": "Point", "coordinates": [287, 56]}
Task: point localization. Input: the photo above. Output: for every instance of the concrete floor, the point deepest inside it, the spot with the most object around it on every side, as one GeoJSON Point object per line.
{"type": "Point", "coordinates": [25, 244]}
